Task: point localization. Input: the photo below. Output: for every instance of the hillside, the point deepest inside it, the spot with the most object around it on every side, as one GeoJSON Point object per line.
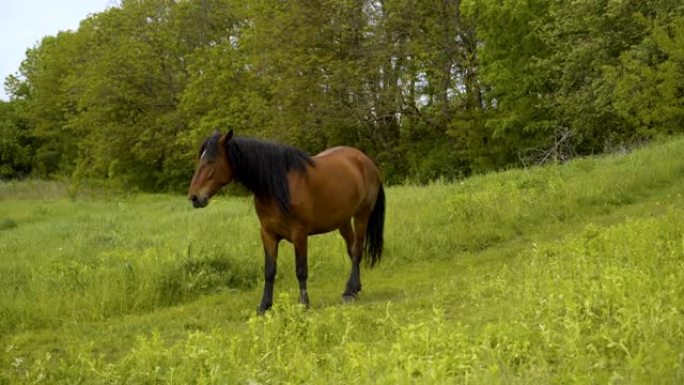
{"type": "Point", "coordinates": [559, 274]}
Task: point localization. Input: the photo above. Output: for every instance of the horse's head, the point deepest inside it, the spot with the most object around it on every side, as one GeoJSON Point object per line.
{"type": "Point", "coordinates": [213, 169]}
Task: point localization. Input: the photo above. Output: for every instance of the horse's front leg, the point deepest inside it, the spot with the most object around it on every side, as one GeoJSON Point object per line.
{"type": "Point", "coordinates": [270, 242]}
{"type": "Point", "coordinates": [301, 266]}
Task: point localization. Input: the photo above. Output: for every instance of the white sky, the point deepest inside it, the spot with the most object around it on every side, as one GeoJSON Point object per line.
{"type": "Point", "coordinates": [23, 23]}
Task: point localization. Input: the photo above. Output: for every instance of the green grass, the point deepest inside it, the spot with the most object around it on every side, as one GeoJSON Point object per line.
{"type": "Point", "coordinates": [560, 274]}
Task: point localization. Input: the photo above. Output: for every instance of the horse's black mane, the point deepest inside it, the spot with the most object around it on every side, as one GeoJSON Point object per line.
{"type": "Point", "coordinates": [262, 166]}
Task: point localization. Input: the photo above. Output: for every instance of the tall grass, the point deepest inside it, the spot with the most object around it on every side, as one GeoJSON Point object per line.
{"type": "Point", "coordinates": [88, 261]}
{"type": "Point", "coordinates": [484, 211]}
{"type": "Point", "coordinates": [600, 307]}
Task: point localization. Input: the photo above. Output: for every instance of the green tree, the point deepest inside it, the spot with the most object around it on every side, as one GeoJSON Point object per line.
{"type": "Point", "coordinates": [127, 93]}
{"type": "Point", "coordinates": [42, 89]}
{"type": "Point", "coordinates": [649, 78]}
{"type": "Point", "coordinates": [221, 91]}
{"type": "Point", "coordinates": [437, 88]}
{"type": "Point", "coordinates": [15, 148]}
{"type": "Point", "coordinates": [549, 68]}
{"type": "Point", "coordinates": [519, 87]}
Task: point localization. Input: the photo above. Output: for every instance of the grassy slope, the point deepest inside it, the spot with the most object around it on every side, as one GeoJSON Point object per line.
{"type": "Point", "coordinates": [553, 275]}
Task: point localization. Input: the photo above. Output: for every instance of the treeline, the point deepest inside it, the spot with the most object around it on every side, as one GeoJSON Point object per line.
{"type": "Point", "coordinates": [432, 88]}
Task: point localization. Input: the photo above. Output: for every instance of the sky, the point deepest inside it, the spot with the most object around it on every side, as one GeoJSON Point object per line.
{"type": "Point", "coordinates": [23, 23]}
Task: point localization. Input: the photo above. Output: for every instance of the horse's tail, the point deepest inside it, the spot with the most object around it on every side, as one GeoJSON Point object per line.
{"type": "Point", "coordinates": [376, 225]}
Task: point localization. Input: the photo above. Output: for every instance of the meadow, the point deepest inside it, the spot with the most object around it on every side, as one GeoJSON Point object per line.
{"type": "Point", "coordinates": [559, 274]}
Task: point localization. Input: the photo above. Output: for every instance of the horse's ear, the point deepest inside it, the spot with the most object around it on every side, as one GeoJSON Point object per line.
{"type": "Point", "coordinates": [226, 137]}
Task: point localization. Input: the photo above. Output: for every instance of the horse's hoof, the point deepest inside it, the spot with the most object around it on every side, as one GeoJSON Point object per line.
{"type": "Point", "coordinates": [348, 298]}
{"type": "Point", "coordinates": [261, 310]}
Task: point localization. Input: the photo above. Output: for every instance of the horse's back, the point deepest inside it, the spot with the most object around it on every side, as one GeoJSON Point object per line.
{"type": "Point", "coordinates": [342, 183]}
{"type": "Point", "coordinates": [347, 165]}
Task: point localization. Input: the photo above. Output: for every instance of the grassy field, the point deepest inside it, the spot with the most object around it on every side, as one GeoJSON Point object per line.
{"type": "Point", "coordinates": [561, 274]}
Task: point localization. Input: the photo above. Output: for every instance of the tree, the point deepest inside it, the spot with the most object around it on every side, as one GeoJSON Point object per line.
{"type": "Point", "coordinates": [15, 149]}
{"type": "Point", "coordinates": [46, 103]}
{"type": "Point", "coordinates": [649, 92]}
{"type": "Point", "coordinates": [437, 88]}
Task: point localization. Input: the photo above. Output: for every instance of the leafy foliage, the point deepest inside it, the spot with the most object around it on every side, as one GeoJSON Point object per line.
{"type": "Point", "coordinates": [434, 89]}
{"type": "Point", "coordinates": [15, 149]}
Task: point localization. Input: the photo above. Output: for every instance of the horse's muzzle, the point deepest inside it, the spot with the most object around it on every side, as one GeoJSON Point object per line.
{"type": "Point", "coordinates": [198, 202]}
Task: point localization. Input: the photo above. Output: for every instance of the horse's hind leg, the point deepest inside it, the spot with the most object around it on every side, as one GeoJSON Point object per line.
{"type": "Point", "coordinates": [354, 252]}
{"type": "Point", "coordinates": [301, 267]}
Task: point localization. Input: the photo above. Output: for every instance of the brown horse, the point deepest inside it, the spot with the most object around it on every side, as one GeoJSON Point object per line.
{"type": "Point", "coordinates": [296, 196]}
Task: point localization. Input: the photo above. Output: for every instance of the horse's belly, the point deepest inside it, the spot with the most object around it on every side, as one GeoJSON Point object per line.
{"type": "Point", "coordinates": [326, 212]}
{"type": "Point", "coordinates": [322, 229]}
